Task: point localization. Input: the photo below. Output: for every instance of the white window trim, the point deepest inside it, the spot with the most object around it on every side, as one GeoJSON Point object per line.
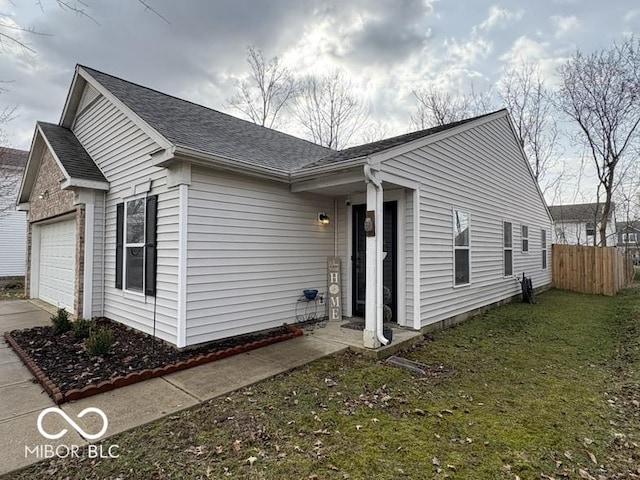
{"type": "Point", "coordinates": [125, 245]}
{"type": "Point", "coordinates": [504, 275]}
{"type": "Point", "coordinates": [456, 247]}
{"type": "Point", "coordinates": [524, 237]}
{"type": "Point", "coordinates": [627, 237]}
{"type": "Point", "coordinates": [544, 248]}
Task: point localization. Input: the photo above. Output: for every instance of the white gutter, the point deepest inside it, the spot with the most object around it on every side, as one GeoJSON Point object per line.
{"type": "Point", "coordinates": [370, 177]}
{"type": "Point", "coordinates": [232, 164]}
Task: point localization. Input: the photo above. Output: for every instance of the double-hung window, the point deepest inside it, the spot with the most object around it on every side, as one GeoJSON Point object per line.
{"type": "Point", "coordinates": [136, 255]}
{"type": "Point", "coordinates": [543, 242]}
{"type": "Point", "coordinates": [134, 245]}
{"type": "Point", "coordinates": [629, 237]}
{"type": "Point", "coordinates": [461, 247]}
{"type": "Point", "coordinates": [507, 247]}
{"type": "Point", "coordinates": [525, 238]}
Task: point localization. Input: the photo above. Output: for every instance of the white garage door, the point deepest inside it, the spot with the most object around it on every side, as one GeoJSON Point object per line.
{"type": "Point", "coordinates": [57, 264]}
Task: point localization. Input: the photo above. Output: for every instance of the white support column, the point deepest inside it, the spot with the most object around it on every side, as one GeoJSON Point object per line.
{"type": "Point", "coordinates": [374, 270]}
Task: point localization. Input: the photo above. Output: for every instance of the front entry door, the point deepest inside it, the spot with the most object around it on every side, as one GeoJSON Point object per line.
{"type": "Point", "coordinates": [359, 257]}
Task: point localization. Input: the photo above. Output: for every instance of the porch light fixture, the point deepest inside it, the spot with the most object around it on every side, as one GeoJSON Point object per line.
{"type": "Point", "coordinates": [323, 218]}
{"type": "Point", "coordinates": [44, 195]}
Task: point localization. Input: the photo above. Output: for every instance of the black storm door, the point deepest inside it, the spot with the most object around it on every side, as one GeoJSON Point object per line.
{"type": "Point", "coordinates": [359, 257]}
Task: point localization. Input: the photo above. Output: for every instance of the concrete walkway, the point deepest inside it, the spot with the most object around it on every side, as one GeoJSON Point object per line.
{"type": "Point", "coordinates": [22, 400]}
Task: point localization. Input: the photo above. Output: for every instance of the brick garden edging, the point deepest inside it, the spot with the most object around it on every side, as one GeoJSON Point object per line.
{"type": "Point", "coordinates": [60, 397]}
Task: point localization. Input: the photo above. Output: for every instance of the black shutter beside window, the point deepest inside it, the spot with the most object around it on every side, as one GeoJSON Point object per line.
{"type": "Point", "coordinates": [150, 246]}
{"type": "Point", "coordinates": [119, 243]}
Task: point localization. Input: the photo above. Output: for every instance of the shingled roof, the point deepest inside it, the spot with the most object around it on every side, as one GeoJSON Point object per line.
{"type": "Point", "coordinates": [580, 212]}
{"type": "Point", "coordinates": [74, 158]}
{"type": "Point", "coordinates": [206, 130]}
{"type": "Point", "coordinates": [361, 151]}
{"type": "Point", "coordinates": [10, 157]}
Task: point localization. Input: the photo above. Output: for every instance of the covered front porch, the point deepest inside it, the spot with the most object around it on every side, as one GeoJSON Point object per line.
{"type": "Point", "coordinates": [376, 232]}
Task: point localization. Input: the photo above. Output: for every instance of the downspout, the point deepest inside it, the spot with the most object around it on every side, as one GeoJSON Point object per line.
{"type": "Point", "coordinates": [370, 177]}
{"type": "Point", "coordinates": [335, 227]}
{"type": "Point", "coordinates": [104, 260]}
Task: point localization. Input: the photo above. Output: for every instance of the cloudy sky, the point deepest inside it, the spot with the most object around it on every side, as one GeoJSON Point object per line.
{"type": "Point", "coordinates": [388, 48]}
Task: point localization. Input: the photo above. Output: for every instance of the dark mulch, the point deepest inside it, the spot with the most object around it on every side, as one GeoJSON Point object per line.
{"type": "Point", "coordinates": [65, 361]}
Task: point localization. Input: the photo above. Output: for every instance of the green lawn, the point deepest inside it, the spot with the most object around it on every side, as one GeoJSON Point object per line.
{"type": "Point", "coordinates": [544, 391]}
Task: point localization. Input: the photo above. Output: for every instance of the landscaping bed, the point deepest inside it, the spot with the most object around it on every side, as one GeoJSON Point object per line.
{"type": "Point", "coordinates": [66, 370]}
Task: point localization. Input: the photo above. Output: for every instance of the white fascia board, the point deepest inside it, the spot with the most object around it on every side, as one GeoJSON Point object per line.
{"type": "Point", "coordinates": [80, 183]}
{"type": "Point", "coordinates": [73, 97]}
{"type": "Point", "coordinates": [310, 173]}
{"type": "Point", "coordinates": [144, 126]}
{"type": "Point", "coordinates": [208, 160]}
{"type": "Point", "coordinates": [398, 180]}
{"type": "Point", "coordinates": [392, 152]}
{"type": "Point", "coordinates": [28, 170]}
{"type": "Point", "coordinates": [338, 178]}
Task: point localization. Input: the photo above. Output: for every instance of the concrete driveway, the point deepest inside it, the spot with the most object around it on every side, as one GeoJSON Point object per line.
{"type": "Point", "coordinates": [21, 400]}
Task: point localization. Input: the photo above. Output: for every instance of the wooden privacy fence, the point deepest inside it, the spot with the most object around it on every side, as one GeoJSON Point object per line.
{"type": "Point", "coordinates": [597, 270]}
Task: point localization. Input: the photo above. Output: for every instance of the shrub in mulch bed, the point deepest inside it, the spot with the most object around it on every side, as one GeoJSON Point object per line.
{"type": "Point", "coordinates": [67, 371]}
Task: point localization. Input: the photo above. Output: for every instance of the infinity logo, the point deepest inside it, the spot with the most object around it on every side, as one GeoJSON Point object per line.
{"type": "Point", "coordinates": [68, 419]}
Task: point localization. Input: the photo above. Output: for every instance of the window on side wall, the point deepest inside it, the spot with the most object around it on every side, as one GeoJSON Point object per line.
{"type": "Point", "coordinates": [525, 238]}
{"type": "Point", "coordinates": [507, 246]}
{"type": "Point", "coordinates": [543, 242]}
{"type": "Point", "coordinates": [591, 229]}
{"type": "Point", "coordinates": [134, 245]}
{"type": "Point", "coordinates": [461, 247]}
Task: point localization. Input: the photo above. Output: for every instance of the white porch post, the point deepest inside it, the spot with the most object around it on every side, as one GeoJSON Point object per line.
{"type": "Point", "coordinates": [373, 294]}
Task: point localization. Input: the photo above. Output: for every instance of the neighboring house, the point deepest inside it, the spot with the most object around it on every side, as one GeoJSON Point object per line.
{"type": "Point", "coordinates": [629, 239]}
{"type": "Point", "coordinates": [13, 223]}
{"type": "Point", "coordinates": [579, 224]}
{"type": "Point", "coordinates": [180, 220]}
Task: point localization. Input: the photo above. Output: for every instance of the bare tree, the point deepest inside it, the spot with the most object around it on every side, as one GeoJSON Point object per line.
{"type": "Point", "coordinates": [10, 32]}
{"type": "Point", "coordinates": [600, 92]}
{"type": "Point", "coordinates": [270, 89]}
{"type": "Point", "coordinates": [373, 131]}
{"type": "Point", "coordinates": [437, 107]}
{"type": "Point", "coordinates": [529, 101]}
{"type": "Point", "coordinates": [328, 111]}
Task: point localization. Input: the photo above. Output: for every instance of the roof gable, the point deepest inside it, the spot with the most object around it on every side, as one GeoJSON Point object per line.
{"type": "Point", "coordinates": [73, 160]}
{"type": "Point", "coordinates": [201, 129]}
{"type": "Point", "coordinates": [12, 158]}
{"type": "Point", "coordinates": [579, 212]}
{"type": "Point", "coordinates": [368, 149]}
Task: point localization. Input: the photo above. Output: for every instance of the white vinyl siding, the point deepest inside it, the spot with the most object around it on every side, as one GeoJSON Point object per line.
{"type": "Point", "coordinates": [480, 170]}
{"type": "Point", "coordinates": [123, 152]}
{"type": "Point", "coordinates": [252, 248]}
{"type": "Point", "coordinates": [13, 232]}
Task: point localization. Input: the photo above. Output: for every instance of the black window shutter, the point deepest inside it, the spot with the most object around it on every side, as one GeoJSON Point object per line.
{"type": "Point", "coordinates": [119, 243]}
{"type": "Point", "coordinates": [150, 257]}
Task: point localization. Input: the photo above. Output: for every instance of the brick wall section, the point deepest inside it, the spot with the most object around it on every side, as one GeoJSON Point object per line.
{"type": "Point", "coordinates": [55, 202]}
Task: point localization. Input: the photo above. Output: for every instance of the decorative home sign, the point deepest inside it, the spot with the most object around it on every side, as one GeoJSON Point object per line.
{"type": "Point", "coordinates": [333, 284]}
